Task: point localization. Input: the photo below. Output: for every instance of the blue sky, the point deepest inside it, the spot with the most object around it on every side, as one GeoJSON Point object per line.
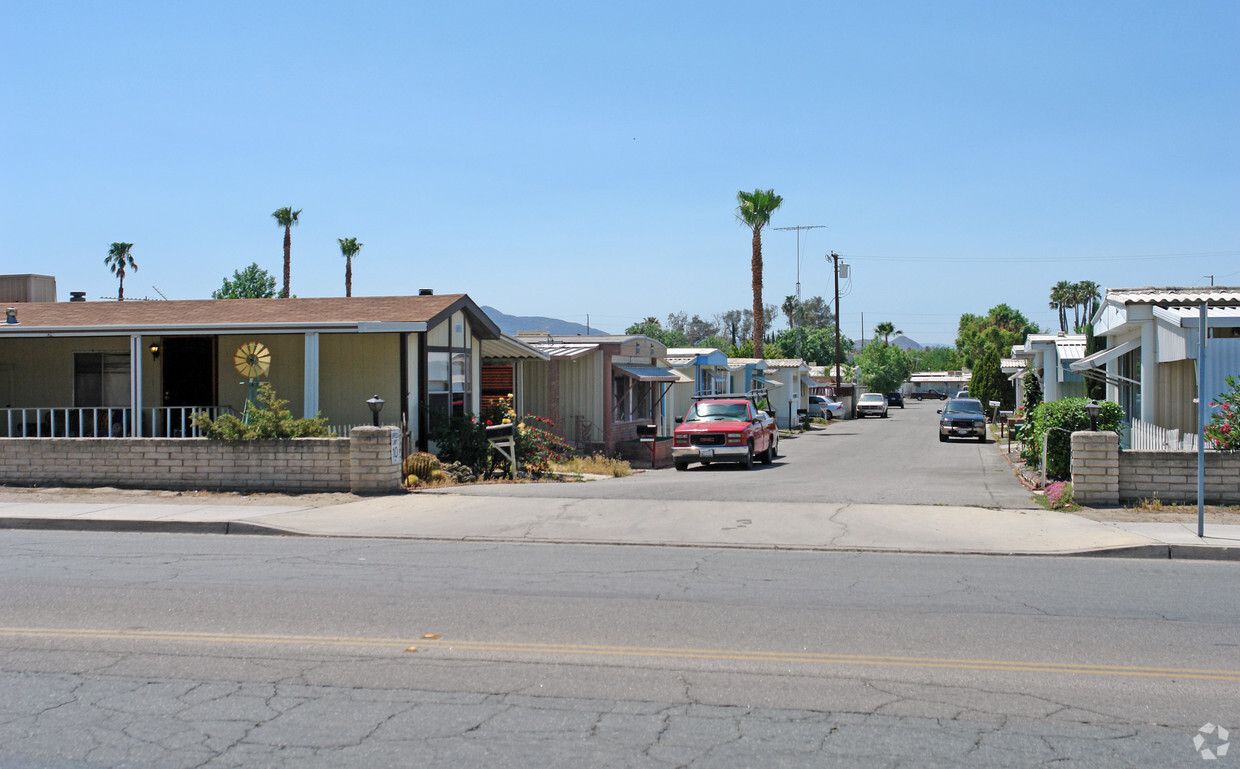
{"type": "Point", "coordinates": [574, 159]}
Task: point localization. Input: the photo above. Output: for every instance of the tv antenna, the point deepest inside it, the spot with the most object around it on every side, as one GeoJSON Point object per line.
{"type": "Point", "coordinates": [161, 293]}
{"type": "Point", "coordinates": [798, 229]}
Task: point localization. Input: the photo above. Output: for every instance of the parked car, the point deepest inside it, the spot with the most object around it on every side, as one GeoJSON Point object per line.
{"type": "Point", "coordinates": [964, 393]}
{"type": "Point", "coordinates": [931, 394]}
{"type": "Point", "coordinates": [725, 429]}
{"type": "Point", "coordinates": [962, 418]}
{"type": "Point", "coordinates": [895, 399]}
{"type": "Point", "coordinates": [872, 403]}
{"type": "Point", "coordinates": [822, 407]}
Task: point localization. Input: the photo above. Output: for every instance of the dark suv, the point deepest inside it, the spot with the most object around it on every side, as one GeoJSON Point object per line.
{"type": "Point", "coordinates": [895, 399]}
{"type": "Point", "coordinates": [962, 418]}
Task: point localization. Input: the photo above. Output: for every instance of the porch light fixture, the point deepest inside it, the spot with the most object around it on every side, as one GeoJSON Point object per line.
{"type": "Point", "coordinates": [1093, 408]}
{"type": "Point", "coordinates": [376, 405]}
{"type": "Point", "coordinates": [154, 348]}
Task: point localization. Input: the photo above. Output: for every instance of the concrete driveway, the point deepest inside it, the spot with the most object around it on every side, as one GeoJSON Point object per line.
{"type": "Point", "coordinates": [897, 460]}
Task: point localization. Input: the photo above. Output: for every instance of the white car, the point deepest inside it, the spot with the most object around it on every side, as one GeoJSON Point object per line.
{"type": "Point", "coordinates": [822, 407]}
{"type": "Point", "coordinates": [872, 403]}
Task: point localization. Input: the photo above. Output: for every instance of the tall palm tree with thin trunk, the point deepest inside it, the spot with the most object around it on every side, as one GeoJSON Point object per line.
{"type": "Point", "coordinates": [1060, 299]}
{"type": "Point", "coordinates": [287, 218]}
{"type": "Point", "coordinates": [885, 330]}
{"type": "Point", "coordinates": [1090, 296]}
{"type": "Point", "coordinates": [754, 210]}
{"type": "Point", "coordinates": [348, 249]}
{"type": "Point", "coordinates": [118, 259]}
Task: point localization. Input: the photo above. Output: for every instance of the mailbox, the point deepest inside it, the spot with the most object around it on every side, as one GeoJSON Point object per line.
{"type": "Point", "coordinates": [647, 433]}
{"type": "Point", "coordinates": [499, 432]}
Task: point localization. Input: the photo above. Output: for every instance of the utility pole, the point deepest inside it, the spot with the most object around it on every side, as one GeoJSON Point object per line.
{"type": "Point", "coordinates": [835, 258]}
{"type": "Point", "coordinates": [798, 228]}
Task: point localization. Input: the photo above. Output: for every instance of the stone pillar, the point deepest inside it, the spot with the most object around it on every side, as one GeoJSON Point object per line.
{"type": "Point", "coordinates": [374, 460]}
{"type": "Point", "coordinates": [1095, 468]}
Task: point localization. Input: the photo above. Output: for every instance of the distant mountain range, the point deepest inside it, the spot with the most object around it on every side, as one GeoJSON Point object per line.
{"type": "Point", "coordinates": [901, 341]}
{"type": "Point", "coordinates": [513, 324]}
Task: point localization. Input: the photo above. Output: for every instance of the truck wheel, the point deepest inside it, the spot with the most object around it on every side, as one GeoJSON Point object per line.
{"type": "Point", "coordinates": [682, 466]}
{"type": "Point", "coordinates": [748, 462]}
{"type": "Point", "coordinates": [942, 438]}
{"type": "Point", "coordinates": [775, 447]}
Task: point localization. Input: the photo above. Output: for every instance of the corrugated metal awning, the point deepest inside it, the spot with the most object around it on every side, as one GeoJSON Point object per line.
{"type": "Point", "coordinates": [653, 374]}
{"type": "Point", "coordinates": [1069, 350]}
{"type": "Point", "coordinates": [768, 382]}
{"type": "Point", "coordinates": [1102, 357]}
{"type": "Point", "coordinates": [510, 347]}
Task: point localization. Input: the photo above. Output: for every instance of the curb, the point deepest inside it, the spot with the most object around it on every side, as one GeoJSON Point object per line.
{"type": "Point", "coordinates": [1158, 551]}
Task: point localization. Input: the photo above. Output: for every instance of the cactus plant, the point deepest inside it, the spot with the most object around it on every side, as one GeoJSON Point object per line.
{"type": "Point", "coordinates": [420, 464]}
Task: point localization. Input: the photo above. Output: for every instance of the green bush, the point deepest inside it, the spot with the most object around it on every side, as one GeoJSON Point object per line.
{"type": "Point", "coordinates": [1067, 415]}
{"type": "Point", "coordinates": [460, 439]}
{"type": "Point", "coordinates": [269, 418]}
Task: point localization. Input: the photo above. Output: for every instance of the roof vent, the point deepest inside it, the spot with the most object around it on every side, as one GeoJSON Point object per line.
{"type": "Point", "coordinates": [426, 292]}
{"type": "Point", "coordinates": [10, 315]}
{"type": "Point", "coordinates": [77, 296]}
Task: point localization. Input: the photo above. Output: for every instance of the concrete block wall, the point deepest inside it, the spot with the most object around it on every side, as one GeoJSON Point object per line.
{"type": "Point", "coordinates": [1095, 468]}
{"type": "Point", "coordinates": [1171, 476]}
{"type": "Point", "coordinates": [298, 465]}
{"type": "Point", "coordinates": [373, 467]}
{"type": "Point", "coordinates": [1103, 475]}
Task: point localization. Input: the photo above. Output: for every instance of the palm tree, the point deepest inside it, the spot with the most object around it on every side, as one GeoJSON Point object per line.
{"type": "Point", "coordinates": [117, 260]}
{"type": "Point", "coordinates": [1090, 296]}
{"type": "Point", "coordinates": [754, 210]}
{"type": "Point", "coordinates": [885, 330]}
{"type": "Point", "coordinates": [1060, 299]}
{"type": "Point", "coordinates": [348, 249]}
{"type": "Point", "coordinates": [287, 218]}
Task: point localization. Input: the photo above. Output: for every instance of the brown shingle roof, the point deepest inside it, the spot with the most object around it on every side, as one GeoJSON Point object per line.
{"type": "Point", "coordinates": [248, 313]}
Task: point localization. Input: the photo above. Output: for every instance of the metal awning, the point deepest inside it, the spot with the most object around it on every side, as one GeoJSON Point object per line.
{"type": "Point", "coordinates": [653, 374]}
{"type": "Point", "coordinates": [1103, 357]}
{"type": "Point", "coordinates": [768, 382]}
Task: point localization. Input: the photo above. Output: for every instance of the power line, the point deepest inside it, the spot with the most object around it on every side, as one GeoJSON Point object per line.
{"type": "Point", "coordinates": [1040, 259]}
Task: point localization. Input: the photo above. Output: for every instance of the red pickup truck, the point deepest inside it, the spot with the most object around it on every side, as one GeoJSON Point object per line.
{"type": "Point", "coordinates": [727, 428]}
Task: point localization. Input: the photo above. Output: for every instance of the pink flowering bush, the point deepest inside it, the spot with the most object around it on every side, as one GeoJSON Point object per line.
{"type": "Point", "coordinates": [1224, 429]}
{"type": "Point", "coordinates": [1059, 496]}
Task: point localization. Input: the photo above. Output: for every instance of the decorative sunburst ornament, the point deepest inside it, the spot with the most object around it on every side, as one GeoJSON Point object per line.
{"type": "Point", "coordinates": [252, 360]}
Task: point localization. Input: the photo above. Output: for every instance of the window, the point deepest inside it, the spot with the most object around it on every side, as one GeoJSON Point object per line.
{"type": "Point", "coordinates": [449, 385]}
{"type": "Point", "coordinates": [632, 400]}
{"type": "Point", "coordinates": [100, 379]}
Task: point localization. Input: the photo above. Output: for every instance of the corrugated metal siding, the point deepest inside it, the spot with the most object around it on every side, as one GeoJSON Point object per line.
{"type": "Point", "coordinates": [1177, 386]}
{"type": "Point", "coordinates": [581, 399]}
{"type": "Point", "coordinates": [1173, 342]}
{"type": "Point", "coordinates": [1222, 361]}
{"type": "Point", "coordinates": [534, 388]}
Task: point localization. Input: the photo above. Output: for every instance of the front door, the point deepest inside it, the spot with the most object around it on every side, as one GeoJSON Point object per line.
{"type": "Point", "coordinates": [189, 370]}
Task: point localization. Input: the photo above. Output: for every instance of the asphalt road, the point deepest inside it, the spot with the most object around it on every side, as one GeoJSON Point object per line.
{"type": "Point", "coordinates": [898, 460]}
{"type": "Point", "coordinates": [199, 651]}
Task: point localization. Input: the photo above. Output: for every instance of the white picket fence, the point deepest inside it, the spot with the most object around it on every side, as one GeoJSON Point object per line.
{"type": "Point", "coordinates": [1151, 437]}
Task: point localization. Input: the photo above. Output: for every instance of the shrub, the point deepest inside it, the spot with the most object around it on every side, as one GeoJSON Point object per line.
{"type": "Point", "coordinates": [1033, 392]}
{"type": "Point", "coordinates": [1224, 428]}
{"type": "Point", "coordinates": [1058, 420]}
{"type": "Point", "coordinates": [460, 439]}
{"type": "Point", "coordinates": [1059, 496]}
{"type": "Point", "coordinates": [269, 418]}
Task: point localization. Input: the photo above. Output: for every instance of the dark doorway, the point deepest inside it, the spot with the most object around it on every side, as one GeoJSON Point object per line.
{"type": "Point", "coordinates": [189, 370]}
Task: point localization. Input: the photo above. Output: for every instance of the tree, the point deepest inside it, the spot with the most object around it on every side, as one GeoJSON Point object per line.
{"type": "Point", "coordinates": [652, 328]}
{"type": "Point", "coordinates": [815, 345]}
{"type": "Point", "coordinates": [1033, 392]}
{"type": "Point", "coordinates": [754, 210]}
{"type": "Point", "coordinates": [988, 383]}
{"type": "Point", "coordinates": [118, 259]}
{"type": "Point", "coordinates": [287, 218]}
{"type": "Point", "coordinates": [730, 325]}
{"type": "Point", "coordinates": [1090, 296]}
{"type": "Point", "coordinates": [1060, 298]}
{"type": "Point", "coordinates": [1000, 329]}
{"type": "Point", "coordinates": [883, 368]}
{"type": "Point", "coordinates": [885, 330]}
{"type": "Point", "coordinates": [251, 283]}
{"type": "Point", "coordinates": [934, 359]}
{"type": "Point", "coordinates": [348, 249]}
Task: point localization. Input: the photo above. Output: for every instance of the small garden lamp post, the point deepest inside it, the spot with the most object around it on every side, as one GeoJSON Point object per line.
{"type": "Point", "coordinates": [376, 405]}
{"type": "Point", "coordinates": [1093, 408]}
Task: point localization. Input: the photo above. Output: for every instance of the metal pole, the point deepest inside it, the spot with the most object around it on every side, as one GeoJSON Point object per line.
{"type": "Point", "coordinates": [836, 259]}
{"type": "Point", "coordinates": [1203, 319]}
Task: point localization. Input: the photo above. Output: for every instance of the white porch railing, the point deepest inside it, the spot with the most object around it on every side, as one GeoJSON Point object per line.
{"type": "Point", "coordinates": [102, 421]}
{"type": "Point", "coordinates": [1145, 436]}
